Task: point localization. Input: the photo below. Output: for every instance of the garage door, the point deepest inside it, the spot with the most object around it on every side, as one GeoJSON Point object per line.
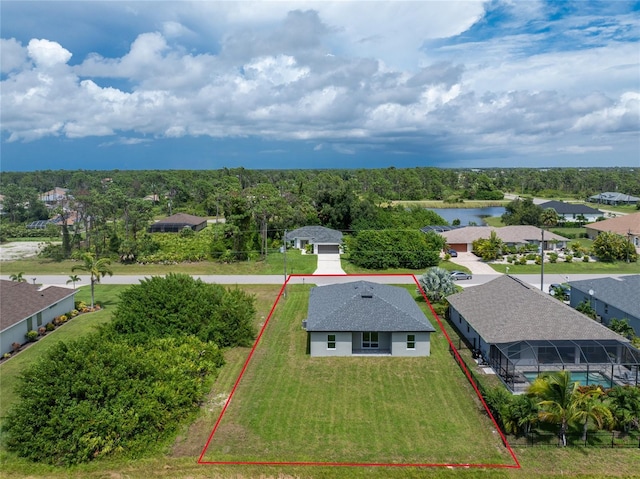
{"type": "Point", "coordinates": [459, 247]}
{"type": "Point", "coordinates": [328, 249]}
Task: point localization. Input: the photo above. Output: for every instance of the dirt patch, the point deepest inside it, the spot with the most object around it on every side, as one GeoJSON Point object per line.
{"type": "Point", "coordinates": [20, 250]}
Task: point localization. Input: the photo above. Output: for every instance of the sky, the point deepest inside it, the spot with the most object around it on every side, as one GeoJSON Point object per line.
{"type": "Point", "coordinates": [318, 84]}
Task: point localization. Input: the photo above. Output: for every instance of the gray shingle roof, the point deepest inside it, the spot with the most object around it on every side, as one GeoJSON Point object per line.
{"type": "Point", "coordinates": [563, 208]}
{"type": "Point", "coordinates": [182, 218]}
{"type": "Point", "coordinates": [21, 300]}
{"type": "Point", "coordinates": [622, 293]}
{"type": "Point", "coordinates": [317, 234]}
{"type": "Point", "coordinates": [506, 310]}
{"type": "Point", "coordinates": [614, 196]}
{"type": "Point", "coordinates": [508, 234]}
{"type": "Point", "coordinates": [364, 306]}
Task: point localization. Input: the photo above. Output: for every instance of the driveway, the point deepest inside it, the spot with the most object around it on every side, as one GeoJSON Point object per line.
{"type": "Point", "coordinates": [329, 264]}
{"type": "Point", "coordinates": [475, 264]}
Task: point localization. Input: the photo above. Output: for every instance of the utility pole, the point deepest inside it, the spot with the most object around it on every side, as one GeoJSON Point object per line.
{"type": "Point", "coordinates": [284, 251]}
{"type": "Point", "coordinates": [542, 261]}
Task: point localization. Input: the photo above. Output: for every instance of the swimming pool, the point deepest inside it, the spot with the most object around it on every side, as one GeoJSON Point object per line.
{"type": "Point", "coordinates": [582, 377]}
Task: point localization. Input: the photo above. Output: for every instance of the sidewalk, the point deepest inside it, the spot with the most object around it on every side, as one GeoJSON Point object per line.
{"type": "Point", "coordinates": [329, 264]}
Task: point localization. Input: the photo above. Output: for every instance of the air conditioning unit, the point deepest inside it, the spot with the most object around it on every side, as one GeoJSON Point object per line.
{"type": "Point", "coordinates": [304, 324]}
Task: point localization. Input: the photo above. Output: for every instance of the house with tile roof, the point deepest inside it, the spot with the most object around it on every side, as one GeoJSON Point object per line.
{"type": "Point", "coordinates": [26, 307]}
{"type": "Point", "coordinates": [610, 298]}
{"type": "Point", "coordinates": [572, 212]}
{"type": "Point", "coordinates": [461, 239]}
{"type": "Point", "coordinates": [324, 240]}
{"type": "Point", "coordinates": [363, 318]}
{"type": "Point", "coordinates": [625, 225]}
{"type": "Point", "coordinates": [521, 332]}
{"type": "Point", "coordinates": [178, 222]}
{"type": "Point", "coordinates": [614, 198]}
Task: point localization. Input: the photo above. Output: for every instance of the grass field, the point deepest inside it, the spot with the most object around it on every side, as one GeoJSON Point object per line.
{"type": "Point", "coordinates": [575, 267]}
{"type": "Point", "coordinates": [291, 407]}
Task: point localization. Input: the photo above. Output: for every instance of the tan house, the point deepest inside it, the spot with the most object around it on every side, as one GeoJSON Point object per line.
{"type": "Point", "coordinates": [627, 226]}
{"type": "Point", "coordinates": [461, 239]}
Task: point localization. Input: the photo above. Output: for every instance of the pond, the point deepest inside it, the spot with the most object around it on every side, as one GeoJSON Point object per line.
{"type": "Point", "coordinates": [469, 215]}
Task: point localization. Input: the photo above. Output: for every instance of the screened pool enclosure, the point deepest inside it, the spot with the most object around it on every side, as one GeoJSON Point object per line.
{"type": "Point", "coordinates": [605, 362]}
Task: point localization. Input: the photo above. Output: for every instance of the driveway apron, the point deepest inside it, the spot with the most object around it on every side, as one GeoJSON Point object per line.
{"type": "Point", "coordinates": [329, 264]}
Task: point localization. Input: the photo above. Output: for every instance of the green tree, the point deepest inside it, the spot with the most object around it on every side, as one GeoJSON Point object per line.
{"type": "Point", "coordinates": [522, 212]}
{"type": "Point", "coordinates": [587, 405]}
{"type": "Point", "coordinates": [18, 277]}
{"type": "Point", "coordinates": [585, 308]}
{"type": "Point", "coordinates": [74, 278]}
{"type": "Point", "coordinates": [610, 247]}
{"type": "Point", "coordinates": [96, 268]}
{"type": "Point", "coordinates": [437, 284]}
{"type": "Point", "coordinates": [548, 218]}
{"type": "Point", "coordinates": [553, 393]}
{"type": "Point", "coordinates": [622, 327]}
{"type": "Point", "coordinates": [490, 248]}
{"type": "Point", "coordinates": [624, 402]}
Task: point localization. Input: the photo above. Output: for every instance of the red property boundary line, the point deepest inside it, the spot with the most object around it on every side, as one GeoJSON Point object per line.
{"type": "Point", "coordinates": [458, 358]}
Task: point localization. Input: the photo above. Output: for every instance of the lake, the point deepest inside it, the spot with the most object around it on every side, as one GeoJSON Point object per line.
{"type": "Point", "coordinates": [469, 215]}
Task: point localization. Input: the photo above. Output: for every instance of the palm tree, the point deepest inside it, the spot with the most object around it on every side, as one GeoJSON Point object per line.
{"type": "Point", "coordinates": [588, 405]}
{"type": "Point", "coordinates": [18, 277]}
{"type": "Point", "coordinates": [548, 217]}
{"type": "Point", "coordinates": [554, 393]}
{"type": "Point", "coordinates": [437, 283]}
{"type": "Point", "coordinates": [74, 278]}
{"type": "Point", "coordinates": [491, 248]}
{"type": "Point", "coordinates": [96, 268]}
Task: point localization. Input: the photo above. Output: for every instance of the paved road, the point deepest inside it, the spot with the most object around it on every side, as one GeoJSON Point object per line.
{"type": "Point", "coordinates": [534, 279]}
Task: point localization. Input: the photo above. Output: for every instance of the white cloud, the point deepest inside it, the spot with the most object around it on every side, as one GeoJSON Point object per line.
{"type": "Point", "coordinates": [47, 54]}
{"type": "Point", "coordinates": [14, 55]}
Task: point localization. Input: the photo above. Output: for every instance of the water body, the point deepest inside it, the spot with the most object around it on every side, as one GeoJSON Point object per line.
{"type": "Point", "coordinates": [469, 215]}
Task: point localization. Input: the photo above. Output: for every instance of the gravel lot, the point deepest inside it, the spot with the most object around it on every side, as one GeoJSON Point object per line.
{"type": "Point", "coordinates": [19, 250]}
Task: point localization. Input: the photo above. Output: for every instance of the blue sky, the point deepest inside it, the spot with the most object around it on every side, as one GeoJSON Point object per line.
{"type": "Point", "coordinates": [319, 84]}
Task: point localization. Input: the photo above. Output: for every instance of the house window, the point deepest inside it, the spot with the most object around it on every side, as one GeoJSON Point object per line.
{"type": "Point", "coordinates": [30, 324]}
{"type": "Point", "coordinates": [331, 341]}
{"type": "Point", "coordinates": [411, 341]}
{"type": "Point", "coordinates": [369, 340]}
{"type": "Point", "coordinates": [39, 319]}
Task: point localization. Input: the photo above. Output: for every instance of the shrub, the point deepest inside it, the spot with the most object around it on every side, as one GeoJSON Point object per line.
{"type": "Point", "coordinates": [31, 336]}
{"type": "Point", "coordinates": [568, 258]}
{"type": "Point", "coordinates": [80, 305]}
{"type": "Point", "coordinates": [73, 313]}
{"type": "Point", "coordinates": [16, 347]}
{"type": "Point", "coordinates": [585, 258]}
{"type": "Point", "coordinates": [41, 331]}
{"type": "Point", "coordinates": [50, 327]}
{"type": "Point", "coordinates": [6, 355]}
{"type": "Point", "coordinates": [553, 257]}
{"type": "Point", "coordinates": [63, 318]}
{"type": "Point", "coordinates": [522, 260]}
{"type": "Point", "coordinates": [531, 256]}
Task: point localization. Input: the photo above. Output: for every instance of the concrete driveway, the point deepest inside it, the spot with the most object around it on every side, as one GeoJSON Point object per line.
{"type": "Point", "coordinates": [475, 264]}
{"type": "Point", "coordinates": [329, 264]}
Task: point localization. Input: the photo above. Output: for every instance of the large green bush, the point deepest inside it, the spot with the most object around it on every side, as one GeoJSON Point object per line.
{"type": "Point", "coordinates": [126, 389]}
{"type": "Point", "coordinates": [96, 397]}
{"type": "Point", "coordinates": [395, 249]}
{"type": "Point", "coordinates": [180, 305]}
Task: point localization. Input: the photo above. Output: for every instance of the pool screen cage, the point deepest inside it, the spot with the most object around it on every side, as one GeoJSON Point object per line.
{"type": "Point", "coordinates": [605, 362]}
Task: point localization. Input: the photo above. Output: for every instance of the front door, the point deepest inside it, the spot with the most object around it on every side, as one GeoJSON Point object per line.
{"type": "Point", "coordinates": [370, 340]}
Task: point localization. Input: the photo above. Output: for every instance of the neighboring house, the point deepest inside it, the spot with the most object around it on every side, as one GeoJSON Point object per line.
{"type": "Point", "coordinates": [520, 332]}
{"type": "Point", "coordinates": [72, 217]}
{"type": "Point", "coordinates": [26, 307]}
{"type": "Point", "coordinates": [572, 212]}
{"type": "Point", "coordinates": [55, 197]}
{"type": "Point", "coordinates": [324, 240]}
{"type": "Point", "coordinates": [366, 318]}
{"type": "Point", "coordinates": [178, 222]}
{"type": "Point", "coordinates": [625, 225]}
{"type": "Point", "coordinates": [610, 298]}
{"type": "Point", "coordinates": [461, 239]}
{"type": "Point", "coordinates": [613, 198]}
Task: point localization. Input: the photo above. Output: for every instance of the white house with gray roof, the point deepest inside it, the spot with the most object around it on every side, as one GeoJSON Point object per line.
{"type": "Point", "coordinates": [521, 331]}
{"type": "Point", "coordinates": [610, 298]}
{"type": "Point", "coordinates": [461, 239]}
{"type": "Point", "coordinates": [324, 240]}
{"type": "Point", "coordinates": [361, 318]}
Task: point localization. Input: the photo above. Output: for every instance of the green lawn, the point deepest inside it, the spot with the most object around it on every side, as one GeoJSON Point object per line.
{"type": "Point", "coordinates": [291, 407]}
{"type": "Point", "coordinates": [351, 268]}
{"type": "Point", "coordinates": [297, 263]}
